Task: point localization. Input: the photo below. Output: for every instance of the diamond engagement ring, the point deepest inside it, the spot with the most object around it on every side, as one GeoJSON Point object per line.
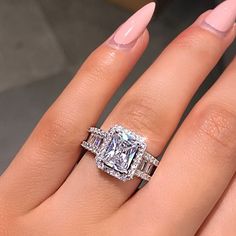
{"type": "Point", "coordinates": [121, 153]}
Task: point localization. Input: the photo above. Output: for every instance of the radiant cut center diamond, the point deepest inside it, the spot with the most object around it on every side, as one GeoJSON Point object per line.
{"type": "Point", "coordinates": [121, 151]}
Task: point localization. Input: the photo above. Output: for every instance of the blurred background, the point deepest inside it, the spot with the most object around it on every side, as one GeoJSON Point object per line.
{"type": "Point", "coordinates": [43, 43]}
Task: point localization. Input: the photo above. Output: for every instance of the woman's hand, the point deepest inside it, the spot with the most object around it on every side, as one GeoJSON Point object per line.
{"type": "Point", "coordinates": [46, 191]}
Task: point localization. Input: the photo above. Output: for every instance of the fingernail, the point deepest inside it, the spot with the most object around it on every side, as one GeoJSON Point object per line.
{"type": "Point", "coordinates": [223, 17]}
{"type": "Point", "coordinates": [128, 33]}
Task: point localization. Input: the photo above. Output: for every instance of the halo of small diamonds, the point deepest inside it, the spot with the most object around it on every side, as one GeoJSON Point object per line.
{"type": "Point", "coordinates": [121, 153]}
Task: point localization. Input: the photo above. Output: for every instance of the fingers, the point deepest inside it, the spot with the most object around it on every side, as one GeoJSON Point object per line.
{"type": "Point", "coordinates": [196, 168]}
{"type": "Point", "coordinates": [54, 146]}
{"type": "Point", "coordinates": [221, 221]}
{"type": "Point", "coordinates": [152, 108]}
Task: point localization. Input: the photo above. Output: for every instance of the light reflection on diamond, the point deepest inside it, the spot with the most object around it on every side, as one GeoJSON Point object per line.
{"type": "Point", "coordinates": [121, 151]}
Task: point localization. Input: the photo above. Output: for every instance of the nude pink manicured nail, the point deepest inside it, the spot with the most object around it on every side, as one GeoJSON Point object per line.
{"type": "Point", "coordinates": [222, 18]}
{"type": "Point", "coordinates": [126, 35]}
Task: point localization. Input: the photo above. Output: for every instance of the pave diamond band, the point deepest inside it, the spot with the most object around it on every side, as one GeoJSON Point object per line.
{"type": "Point", "coordinates": [121, 153]}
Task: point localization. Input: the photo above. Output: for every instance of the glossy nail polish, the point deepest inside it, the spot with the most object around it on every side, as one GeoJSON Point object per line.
{"type": "Point", "coordinates": [128, 33]}
{"type": "Point", "coordinates": [223, 17]}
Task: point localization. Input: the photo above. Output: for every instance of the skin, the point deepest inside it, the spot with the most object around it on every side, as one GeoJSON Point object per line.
{"type": "Point", "coordinates": [46, 191]}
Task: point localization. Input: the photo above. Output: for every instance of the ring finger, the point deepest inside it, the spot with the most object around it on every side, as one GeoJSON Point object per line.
{"type": "Point", "coordinates": [152, 108]}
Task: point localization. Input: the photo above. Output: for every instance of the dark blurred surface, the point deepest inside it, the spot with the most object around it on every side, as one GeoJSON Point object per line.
{"type": "Point", "coordinates": [43, 42]}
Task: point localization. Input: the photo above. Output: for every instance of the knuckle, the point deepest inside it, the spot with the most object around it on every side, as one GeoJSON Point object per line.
{"type": "Point", "coordinates": [218, 125]}
{"type": "Point", "coordinates": [95, 72]}
{"type": "Point", "coordinates": [99, 66]}
{"type": "Point", "coordinates": [198, 42]}
{"type": "Point", "coordinates": [138, 113]}
{"type": "Point", "coordinates": [57, 130]}
{"type": "Point", "coordinates": [141, 115]}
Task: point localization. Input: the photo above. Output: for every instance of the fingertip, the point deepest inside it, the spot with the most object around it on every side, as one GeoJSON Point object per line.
{"type": "Point", "coordinates": [202, 22]}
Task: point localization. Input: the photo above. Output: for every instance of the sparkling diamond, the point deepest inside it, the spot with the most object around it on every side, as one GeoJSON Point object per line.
{"type": "Point", "coordinates": [121, 152]}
